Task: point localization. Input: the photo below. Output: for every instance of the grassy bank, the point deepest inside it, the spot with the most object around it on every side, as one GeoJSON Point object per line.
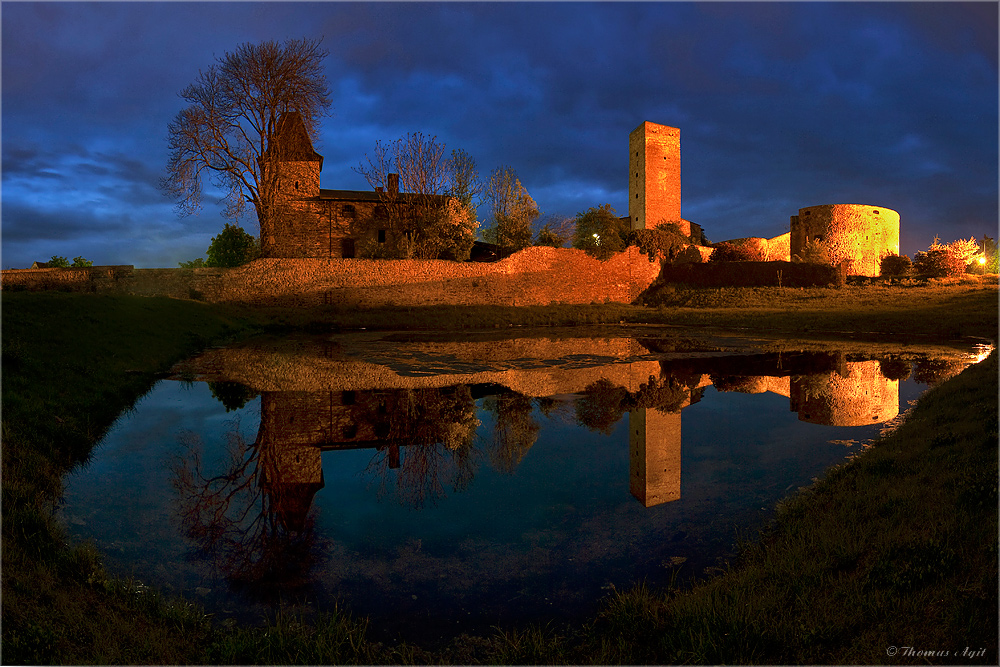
{"type": "Point", "coordinates": [942, 308]}
{"type": "Point", "coordinates": [809, 592]}
{"type": "Point", "coordinates": [896, 549]}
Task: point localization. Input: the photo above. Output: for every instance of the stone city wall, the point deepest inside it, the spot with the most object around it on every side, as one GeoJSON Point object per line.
{"type": "Point", "coordinates": [754, 274]}
{"type": "Point", "coordinates": [89, 279]}
{"type": "Point", "coordinates": [534, 276]}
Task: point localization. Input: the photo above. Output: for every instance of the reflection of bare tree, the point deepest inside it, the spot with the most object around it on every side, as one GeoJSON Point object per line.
{"type": "Point", "coordinates": [251, 516]}
{"type": "Point", "coordinates": [935, 371]}
{"type": "Point", "coordinates": [426, 436]}
{"type": "Point", "coordinates": [514, 429]}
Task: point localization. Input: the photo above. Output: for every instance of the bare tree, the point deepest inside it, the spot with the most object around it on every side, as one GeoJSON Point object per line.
{"type": "Point", "coordinates": [417, 182]}
{"type": "Point", "coordinates": [465, 183]}
{"type": "Point", "coordinates": [232, 129]}
{"type": "Point", "coordinates": [555, 232]}
{"type": "Point", "coordinates": [512, 210]}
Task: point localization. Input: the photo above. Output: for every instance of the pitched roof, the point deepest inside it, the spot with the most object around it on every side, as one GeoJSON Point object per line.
{"type": "Point", "coordinates": [294, 139]}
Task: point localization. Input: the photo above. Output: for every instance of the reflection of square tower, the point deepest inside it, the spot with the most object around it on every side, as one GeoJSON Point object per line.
{"type": "Point", "coordinates": [654, 178]}
{"type": "Point", "coordinates": [654, 456]}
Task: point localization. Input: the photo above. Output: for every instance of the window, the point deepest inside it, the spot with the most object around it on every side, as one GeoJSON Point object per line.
{"type": "Point", "coordinates": [875, 211]}
{"type": "Point", "coordinates": [296, 185]}
{"type": "Point", "coordinates": [381, 236]}
{"type": "Point", "coordinates": [349, 211]}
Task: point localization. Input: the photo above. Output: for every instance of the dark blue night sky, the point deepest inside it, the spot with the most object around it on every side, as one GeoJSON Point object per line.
{"type": "Point", "coordinates": [780, 105]}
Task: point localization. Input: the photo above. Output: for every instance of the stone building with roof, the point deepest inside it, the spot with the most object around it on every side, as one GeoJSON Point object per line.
{"type": "Point", "coordinates": [317, 223]}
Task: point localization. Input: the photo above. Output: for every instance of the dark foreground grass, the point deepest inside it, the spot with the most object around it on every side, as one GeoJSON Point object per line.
{"type": "Point", "coordinates": [898, 548]}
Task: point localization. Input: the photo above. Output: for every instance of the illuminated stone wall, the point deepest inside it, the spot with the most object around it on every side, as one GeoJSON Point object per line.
{"type": "Point", "coordinates": [88, 279]}
{"type": "Point", "coordinates": [654, 190]}
{"type": "Point", "coordinates": [859, 234]}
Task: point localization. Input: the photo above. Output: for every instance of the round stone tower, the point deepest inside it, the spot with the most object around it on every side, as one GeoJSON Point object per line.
{"type": "Point", "coordinates": [858, 233]}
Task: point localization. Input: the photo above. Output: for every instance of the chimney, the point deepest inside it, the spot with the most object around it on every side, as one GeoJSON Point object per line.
{"type": "Point", "coordinates": [392, 181]}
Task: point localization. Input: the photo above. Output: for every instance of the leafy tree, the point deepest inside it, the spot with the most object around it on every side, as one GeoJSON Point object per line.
{"type": "Point", "coordinates": [665, 239]}
{"type": "Point", "coordinates": [945, 259]}
{"type": "Point", "coordinates": [232, 247]}
{"type": "Point", "coordinates": [938, 263]}
{"type": "Point", "coordinates": [81, 263]}
{"type": "Point", "coordinates": [193, 264]}
{"type": "Point", "coordinates": [600, 232]}
{"type": "Point", "coordinates": [58, 262]}
{"type": "Point", "coordinates": [229, 132]}
{"type": "Point", "coordinates": [417, 185]}
{"type": "Point", "coordinates": [964, 249]}
{"type": "Point", "coordinates": [512, 210]}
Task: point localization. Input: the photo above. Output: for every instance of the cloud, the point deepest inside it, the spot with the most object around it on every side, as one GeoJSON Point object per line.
{"type": "Point", "coordinates": [780, 105]}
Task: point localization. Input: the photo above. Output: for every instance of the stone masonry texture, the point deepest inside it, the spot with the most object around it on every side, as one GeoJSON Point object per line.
{"type": "Point", "coordinates": [534, 276]}
{"type": "Point", "coordinates": [859, 234]}
{"type": "Point", "coordinates": [655, 176]}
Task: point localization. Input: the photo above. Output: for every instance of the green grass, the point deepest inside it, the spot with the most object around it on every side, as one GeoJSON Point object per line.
{"type": "Point", "coordinates": [918, 565]}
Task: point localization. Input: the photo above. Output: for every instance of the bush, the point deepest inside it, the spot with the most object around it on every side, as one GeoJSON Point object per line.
{"type": "Point", "coordinates": [895, 266]}
{"type": "Point", "coordinates": [232, 247]}
{"type": "Point", "coordinates": [938, 263]}
{"type": "Point", "coordinates": [814, 252]}
{"type": "Point", "coordinates": [727, 251]}
{"type": "Point", "coordinates": [58, 262]}
{"type": "Point", "coordinates": [81, 263]}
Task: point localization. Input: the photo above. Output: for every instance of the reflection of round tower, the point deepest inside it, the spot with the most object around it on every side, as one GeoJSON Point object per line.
{"type": "Point", "coordinates": [858, 233]}
{"type": "Point", "coordinates": [855, 396]}
{"type": "Point", "coordinates": [654, 179]}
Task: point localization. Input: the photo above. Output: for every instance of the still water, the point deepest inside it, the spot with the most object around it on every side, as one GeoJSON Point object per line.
{"type": "Point", "coordinates": [446, 486]}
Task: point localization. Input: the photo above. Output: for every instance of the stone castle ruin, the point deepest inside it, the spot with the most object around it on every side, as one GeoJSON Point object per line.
{"type": "Point", "coordinates": [312, 255]}
{"type": "Point", "coordinates": [317, 223]}
{"type": "Point", "coordinates": [858, 234]}
{"type": "Point", "coordinates": [324, 224]}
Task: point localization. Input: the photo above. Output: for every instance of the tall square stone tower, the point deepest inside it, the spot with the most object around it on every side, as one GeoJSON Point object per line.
{"type": "Point", "coordinates": [654, 183]}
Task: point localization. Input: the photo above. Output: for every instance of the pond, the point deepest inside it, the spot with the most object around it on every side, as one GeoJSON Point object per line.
{"type": "Point", "coordinates": [444, 486]}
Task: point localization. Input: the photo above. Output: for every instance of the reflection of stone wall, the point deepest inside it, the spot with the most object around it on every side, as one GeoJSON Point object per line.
{"type": "Point", "coordinates": [533, 367]}
{"type": "Point", "coordinates": [857, 395]}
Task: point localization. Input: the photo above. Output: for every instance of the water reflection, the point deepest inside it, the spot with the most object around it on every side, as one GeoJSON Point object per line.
{"type": "Point", "coordinates": [512, 474]}
{"type": "Point", "coordinates": [425, 438]}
